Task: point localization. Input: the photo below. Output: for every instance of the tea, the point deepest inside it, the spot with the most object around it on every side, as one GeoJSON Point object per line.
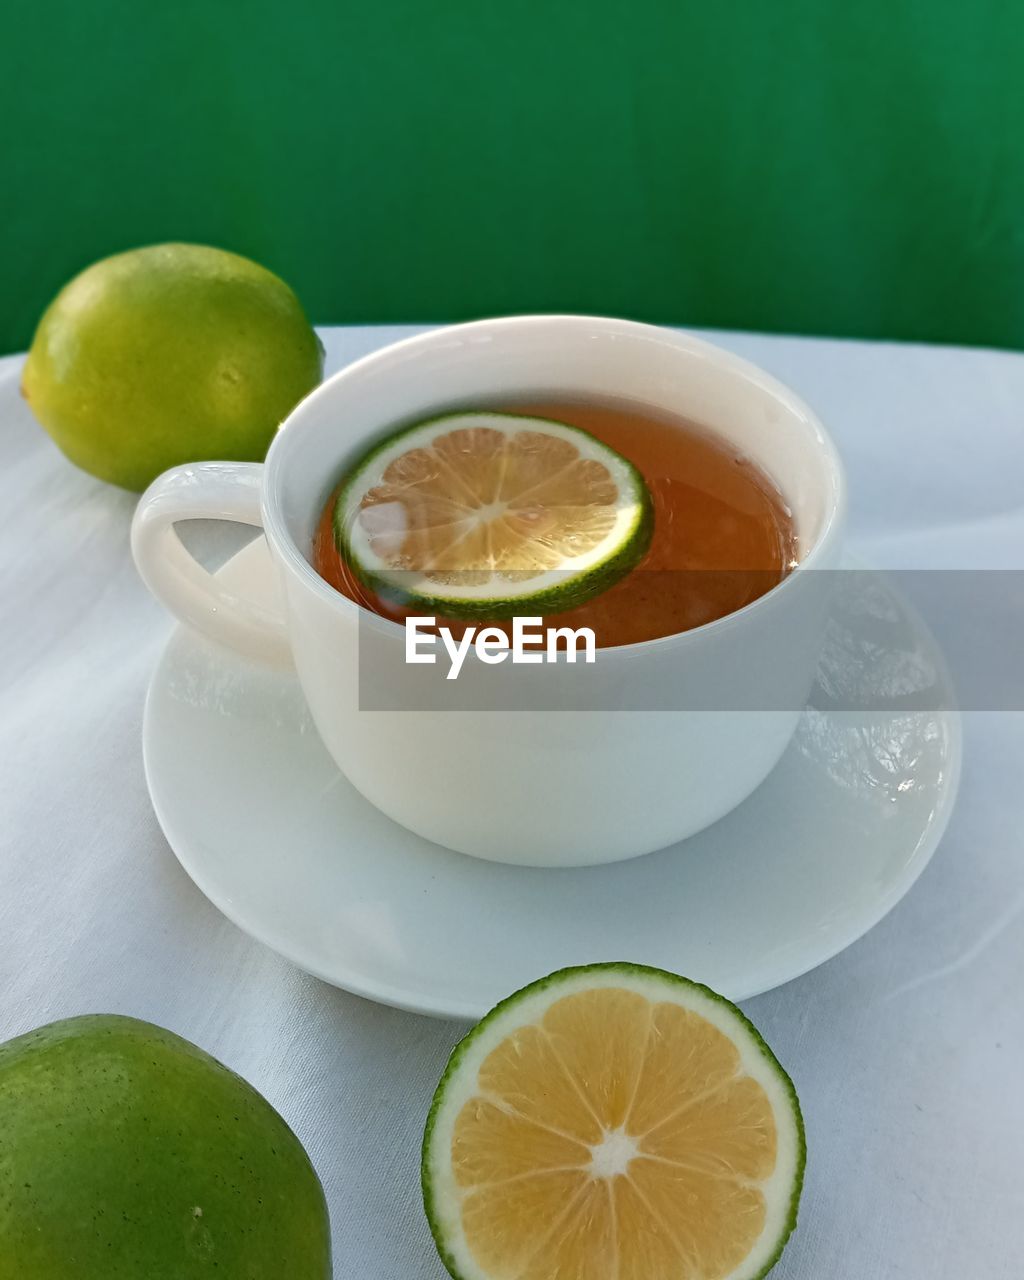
{"type": "Point", "coordinates": [723, 534]}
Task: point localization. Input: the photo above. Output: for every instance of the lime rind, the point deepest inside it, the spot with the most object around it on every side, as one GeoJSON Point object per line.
{"type": "Point", "coordinates": [552, 591]}
{"type": "Point", "coordinates": [702, 999]}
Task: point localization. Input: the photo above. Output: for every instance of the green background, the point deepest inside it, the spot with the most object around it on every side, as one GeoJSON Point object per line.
{"type": "Point", "coordinates": [796, 165]}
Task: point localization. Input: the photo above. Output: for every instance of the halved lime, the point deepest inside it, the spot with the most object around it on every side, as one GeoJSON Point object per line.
{"type": "Point", "coordinates": [613, 1122]}
{"type": "Point", "coordinates": [492, 514]}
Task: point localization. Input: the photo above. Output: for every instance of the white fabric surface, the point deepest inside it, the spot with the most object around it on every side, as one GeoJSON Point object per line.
{"type": "Point", "coordinates": [906, 1050]}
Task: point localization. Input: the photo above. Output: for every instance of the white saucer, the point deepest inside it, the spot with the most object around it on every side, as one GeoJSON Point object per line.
{"type": "Point", "coordinates": [272, 833]}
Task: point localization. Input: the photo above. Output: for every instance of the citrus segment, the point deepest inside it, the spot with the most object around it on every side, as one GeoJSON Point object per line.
{"type": "Point", "coordinates": [491, 513]}
{"type": "Point", "coordinates": [686, 1057]}
{"type": "Point", "coordinates": [646, 1245]}
{"type": "Point", "coordinates": [600, 1036]}
{"type": "Point", "coordinates": [613, 1123]}
{"type": "Point", "coordinates": [583, 1246]}
{"type": "Point", "coordinates": [493, 1145]}
{"type": "Point", "coordinates": [528, 1055]}
{"type": "Point", "coordinates": [713, 1221]}
{"type": "Point", "coordinates": [731, 1131]}
{"type": "Point", "coordinates": [504, 1219]}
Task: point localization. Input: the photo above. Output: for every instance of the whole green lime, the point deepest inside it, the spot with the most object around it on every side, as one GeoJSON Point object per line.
{"type": "Point", "coordinates": [126, 1153]}
{"type": "Point", "coordinates": [169, 354]}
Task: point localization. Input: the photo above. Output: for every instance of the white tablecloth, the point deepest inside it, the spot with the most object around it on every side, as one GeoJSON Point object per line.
{"type": "Point", "coordinates": [907, 1050]}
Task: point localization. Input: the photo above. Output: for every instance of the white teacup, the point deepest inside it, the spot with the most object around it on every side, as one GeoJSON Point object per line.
{"type": "Point", "coordinates": [593, 783]}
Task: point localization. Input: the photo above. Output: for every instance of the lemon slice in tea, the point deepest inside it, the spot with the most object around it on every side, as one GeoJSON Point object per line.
{"type": "Point", "coordinates": [492, 514]}
{"type": "Point", "coordinates": [613, 1122]}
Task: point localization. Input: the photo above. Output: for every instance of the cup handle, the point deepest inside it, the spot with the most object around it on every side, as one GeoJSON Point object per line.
{"type": "Point", "coordinates": [205, 491]}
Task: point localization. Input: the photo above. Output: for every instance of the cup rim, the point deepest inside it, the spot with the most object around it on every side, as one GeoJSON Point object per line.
{"type": "Point", "coordinates": [276, 529]}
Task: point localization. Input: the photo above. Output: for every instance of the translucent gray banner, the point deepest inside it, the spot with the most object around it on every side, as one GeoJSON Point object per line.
{"type": "Point", "coordinates": [913, 640]}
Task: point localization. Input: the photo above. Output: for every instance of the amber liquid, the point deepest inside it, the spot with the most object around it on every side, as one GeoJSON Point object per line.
{"type": "Point", "coordinates": [723, 534]}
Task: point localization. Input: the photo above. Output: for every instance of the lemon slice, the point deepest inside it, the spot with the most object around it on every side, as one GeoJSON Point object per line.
{"type": "Point", "coordinates": [613, 1122]}
{"type": "Point", "coordinates": [492, 514]}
